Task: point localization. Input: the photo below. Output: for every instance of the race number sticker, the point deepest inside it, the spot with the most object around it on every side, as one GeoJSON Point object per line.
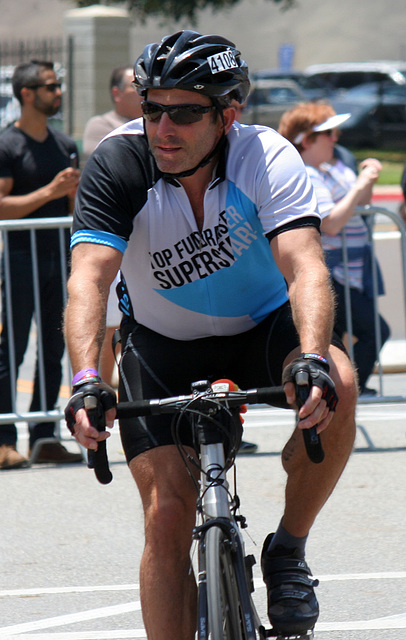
{"type": "Point", "coordinates": [222, 61]}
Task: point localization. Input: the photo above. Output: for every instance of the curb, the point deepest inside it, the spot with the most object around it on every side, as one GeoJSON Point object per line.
{"type": "Point", "coordinates": [391, 193]}
{"type": "Point", "coordinates": [393, 357]}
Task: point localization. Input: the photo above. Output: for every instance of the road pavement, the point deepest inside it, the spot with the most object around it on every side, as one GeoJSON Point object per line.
{"type": "Point", "coordinates": [70, 547]}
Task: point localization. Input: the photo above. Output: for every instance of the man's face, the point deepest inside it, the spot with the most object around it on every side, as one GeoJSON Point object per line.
{"type": "Point", "coordinates": [48, 101]}
{"type": "Point", "coordinates": [127, 101]}
{"type": "Point", "coordinates": [177, 148]}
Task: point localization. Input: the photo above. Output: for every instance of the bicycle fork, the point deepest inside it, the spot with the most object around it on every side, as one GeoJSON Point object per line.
{"type": "Point", "coordinates": [216, 511]}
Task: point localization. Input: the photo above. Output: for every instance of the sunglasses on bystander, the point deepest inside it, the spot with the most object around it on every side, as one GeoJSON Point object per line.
{"type": "Point", "coordinates": [51, 86]}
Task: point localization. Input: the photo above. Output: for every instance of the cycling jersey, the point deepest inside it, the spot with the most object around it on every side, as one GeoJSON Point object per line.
{"type": "Point", "coordinates": [185, 283]}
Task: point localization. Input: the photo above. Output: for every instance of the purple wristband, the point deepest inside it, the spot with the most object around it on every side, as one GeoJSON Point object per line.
{"type": "Point", "coordinates": [83, 374]}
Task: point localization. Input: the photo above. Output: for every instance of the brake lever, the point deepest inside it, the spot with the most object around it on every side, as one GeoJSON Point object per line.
{"type": "Point", "coordinates": [97, 460]}
{"type": "Point", "coordinates": [311, 438]}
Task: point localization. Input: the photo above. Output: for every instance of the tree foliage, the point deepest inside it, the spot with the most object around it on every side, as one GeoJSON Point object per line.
{"type": "Point", "coordinates": [175, 9]}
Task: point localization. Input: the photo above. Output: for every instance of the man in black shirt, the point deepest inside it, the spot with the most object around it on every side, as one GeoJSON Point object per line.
{"type": "Point", "coordinates": [36, 181]}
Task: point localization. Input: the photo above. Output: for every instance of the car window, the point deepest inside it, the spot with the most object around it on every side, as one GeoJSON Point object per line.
{"type": "Point", "coordinates": [282, 95]}
{"type": "Point", "coordinates": [274, 95]}
{"type": "Point", "coordinates": [347, 80]}
{"type": "Point", "coordinates": [392, 114]}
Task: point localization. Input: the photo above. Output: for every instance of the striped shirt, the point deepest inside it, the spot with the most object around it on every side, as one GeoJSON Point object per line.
{"type": "Point", "coordinates": [331, 183]}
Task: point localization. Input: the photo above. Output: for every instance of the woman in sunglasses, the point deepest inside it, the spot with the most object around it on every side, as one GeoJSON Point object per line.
{"type": "Point", "coordinates": [214, 219]}
{"type": "Point", "coordinates": [313, 129]}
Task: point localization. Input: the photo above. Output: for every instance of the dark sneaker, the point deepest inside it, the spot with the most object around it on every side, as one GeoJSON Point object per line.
{"type": "Point", "coordinates": [10, 458]}
{"type": "Point", "coordinates": [292, 605]}
{"type": "Point", "coordinates": [367, 391]}
{"type": "Point", "coordinates": [55, 452]}
{"type": "Point", "coordinates": [247, 447]}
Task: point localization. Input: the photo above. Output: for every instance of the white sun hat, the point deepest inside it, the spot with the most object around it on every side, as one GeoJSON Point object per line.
{"type": "Point", "coordinates": [331, 123]}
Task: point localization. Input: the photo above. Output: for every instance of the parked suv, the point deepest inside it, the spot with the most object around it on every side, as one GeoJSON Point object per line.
{"type": "Point", "coordinates": [378, 115]}
{"type": "Point", "coordinates": [313, 88]}
{"type": "Point", "coordinates": [269, 99]}
{"type": "Point", "coordinates": [341, 76]}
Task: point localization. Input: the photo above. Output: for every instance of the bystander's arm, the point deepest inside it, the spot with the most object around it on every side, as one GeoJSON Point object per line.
{"type": "Point", "coordinates": [359, 195]}
{"type": "Point", "coordinates": [15, 207]}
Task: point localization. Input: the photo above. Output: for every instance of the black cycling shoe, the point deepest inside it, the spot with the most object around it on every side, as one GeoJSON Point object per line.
{"type": "Point", "coordinates": [292, 605]}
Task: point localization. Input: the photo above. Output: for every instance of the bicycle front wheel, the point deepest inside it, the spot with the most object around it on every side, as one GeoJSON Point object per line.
{"type": "Point", "coordinates": [228, 602]}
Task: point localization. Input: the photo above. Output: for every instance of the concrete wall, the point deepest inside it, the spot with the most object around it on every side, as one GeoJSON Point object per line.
{"type": "Point", "coordinates": [101, 42]}
{"type": "Point", "coordinates": [327, 31]}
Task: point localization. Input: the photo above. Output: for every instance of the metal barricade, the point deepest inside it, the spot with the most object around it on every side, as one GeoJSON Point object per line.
{"type": "Point", "coordinates": [32, 225]}
{"type": "Point", "coordinates": [371, 212]}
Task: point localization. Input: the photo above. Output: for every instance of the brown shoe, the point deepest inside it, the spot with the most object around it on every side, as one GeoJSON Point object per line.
{"type": "Point", "coordinates": [55, 452]}
{"type": "Point", "coordinates": [10, 458]}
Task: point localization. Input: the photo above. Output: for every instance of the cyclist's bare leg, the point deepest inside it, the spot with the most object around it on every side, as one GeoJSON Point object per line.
{"type": "Point", "coordinates": [167, 584]}
{"type": "Point", "coordinates": [309, 485]}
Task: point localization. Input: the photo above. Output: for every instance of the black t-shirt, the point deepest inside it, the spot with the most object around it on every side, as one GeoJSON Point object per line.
{"type": "Point", "coordinates": [33, 165]}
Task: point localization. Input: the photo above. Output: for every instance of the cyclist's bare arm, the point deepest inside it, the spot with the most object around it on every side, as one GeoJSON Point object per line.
{"type": "Point", "coordinates": [299, 256]}
{"type": "Point", "coordinates": [15, 207]}
{"type": "Point", "coordinates": [93, 269]}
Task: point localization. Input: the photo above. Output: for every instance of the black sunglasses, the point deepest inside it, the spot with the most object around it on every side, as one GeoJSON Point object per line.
{"type": "Point", "coordinates": [178, 113]}
{"type": "Point", "coordinates": [51, 87]}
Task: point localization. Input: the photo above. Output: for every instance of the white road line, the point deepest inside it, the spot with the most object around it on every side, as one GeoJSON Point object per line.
{"type": "Point", "coordinates": [391, 622]}
{"type": "Point", "coordinates": [84, 635]}
{"type": "Point", "coordinates": [51, 590]}
{"type": "Point", "coordinates": [383, 575]}
{"type": "Point", "coordinates": [70, 618]}
{"type": "Point", "coordinates": [24, 630]}
{"type": "Point", "coordinates": [276, 417]}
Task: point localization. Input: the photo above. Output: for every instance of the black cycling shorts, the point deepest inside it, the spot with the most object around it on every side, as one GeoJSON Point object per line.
{"type": "Point", "coordinates": [154, 366]}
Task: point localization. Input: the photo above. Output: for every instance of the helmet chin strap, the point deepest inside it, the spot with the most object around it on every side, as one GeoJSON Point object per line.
{"type": "Point", "coordinates": [202, 163]}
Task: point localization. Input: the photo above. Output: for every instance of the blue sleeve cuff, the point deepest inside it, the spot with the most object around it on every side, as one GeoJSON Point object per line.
{"type": "Point", "coordinates": [98, 237]}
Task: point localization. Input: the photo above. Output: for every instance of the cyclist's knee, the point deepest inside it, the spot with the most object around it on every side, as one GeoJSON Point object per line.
{"type": "Point", "coordinates": [345, 380]}
{"type": "Point", "coordinates": [168, 525]}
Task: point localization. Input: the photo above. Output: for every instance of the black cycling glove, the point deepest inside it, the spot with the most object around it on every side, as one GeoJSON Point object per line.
{"type": "Point", "coordinates": [317, 370]}
{"type": "Point", "coordinates": [105, 399]}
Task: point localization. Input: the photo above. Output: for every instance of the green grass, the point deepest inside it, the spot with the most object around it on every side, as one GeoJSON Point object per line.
{"type": "Point", "coordinates": [392, 163]}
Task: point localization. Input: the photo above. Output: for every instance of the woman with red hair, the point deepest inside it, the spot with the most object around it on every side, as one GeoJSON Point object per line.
{"type": "Point", "coordinates": [313, 129]}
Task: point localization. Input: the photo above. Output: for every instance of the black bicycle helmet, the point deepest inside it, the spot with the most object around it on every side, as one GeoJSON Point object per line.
{"type": "Point", "coordinates": [210, 65]}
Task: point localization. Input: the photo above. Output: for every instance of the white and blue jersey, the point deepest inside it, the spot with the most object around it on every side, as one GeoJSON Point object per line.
{"type": "Point", "coordinates": [183, 282]}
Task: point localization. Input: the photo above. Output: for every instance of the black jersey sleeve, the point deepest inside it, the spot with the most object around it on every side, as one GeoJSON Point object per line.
{"type": "Point", "coordinates": [307, 221]}
{"type": "Point", "coordinates": [114, 185]}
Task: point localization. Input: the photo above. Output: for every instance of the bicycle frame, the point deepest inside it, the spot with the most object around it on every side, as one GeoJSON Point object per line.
{"type": "Point", "coordinates": [217, 508]}
{"type": "Point", "coordinates": [225, 607]}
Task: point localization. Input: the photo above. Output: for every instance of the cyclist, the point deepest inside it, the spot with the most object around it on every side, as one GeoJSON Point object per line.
{"type": "Point", "coordinates": [216, 230]}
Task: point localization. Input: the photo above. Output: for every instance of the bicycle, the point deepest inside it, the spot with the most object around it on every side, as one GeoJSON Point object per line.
{"type": "Point", "coordinates": [226, 610]}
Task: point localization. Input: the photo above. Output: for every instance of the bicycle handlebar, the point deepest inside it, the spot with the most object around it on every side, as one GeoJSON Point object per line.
{"type": "Point", "coordinates": [273, 396]}
{"type": "Point", "coordinates": [97, 460]}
